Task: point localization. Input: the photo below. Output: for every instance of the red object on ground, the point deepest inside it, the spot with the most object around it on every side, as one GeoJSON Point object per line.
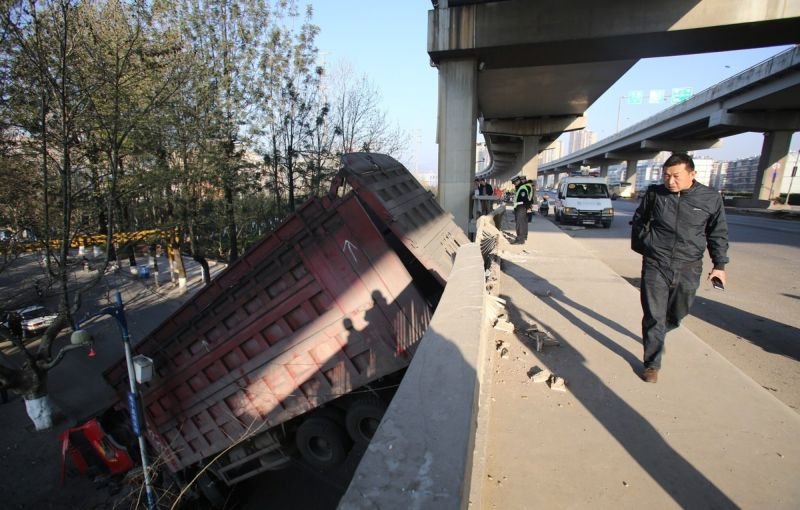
{"type": "Point", "coordinates": [93, 451]}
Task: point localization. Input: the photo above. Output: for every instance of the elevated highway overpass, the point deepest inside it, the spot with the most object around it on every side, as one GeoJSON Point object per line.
{"type": "Point", "coordinates": [764, 98]}
{"type": "Point", "coordinates": [527, 71]}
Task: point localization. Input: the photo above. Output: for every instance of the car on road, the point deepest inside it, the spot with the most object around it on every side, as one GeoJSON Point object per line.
{"type": "Point", "coordinates": [584, 201]}
{"type": "Point", "coordinates": [32, 319]}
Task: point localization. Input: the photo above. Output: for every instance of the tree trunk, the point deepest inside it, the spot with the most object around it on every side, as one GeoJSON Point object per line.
{"type": "Point", "coordinates": [230, 219]}
{"type": "Point", "coordinates": [41, 411]}
{"type": "Point", "coordinates": [38, 405]}
{"type": "Point", "coordinates": [200, 259]}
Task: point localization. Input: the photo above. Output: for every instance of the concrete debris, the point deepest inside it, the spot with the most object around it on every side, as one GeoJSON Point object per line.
{"type": "Point", "coordinates": [504, 325]}
{"type": "Point", "coordinates": [557, 383]}
{"type": "Point", "coordinates": [498, 344]}
{"type": "Point", "coordinates": [495, 309]}
{"type": "Point", "coordinates": [542, 340]}
{"type": "Point", "coordinates": [504, 353]}
{"type": "Point", "coordinates": [543, 375]}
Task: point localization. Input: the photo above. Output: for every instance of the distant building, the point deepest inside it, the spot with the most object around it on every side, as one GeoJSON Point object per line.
{"type": "Point", "coordinates": [552, 152]}
{"type": "Point", "coordinates": [482, 158]}
{"type": "Point", "coordinates": [581, 139]}
{"type": "Point", "coordinates": [719, 174]}
{"type": "Point", "coordinates": [427, 179]}
{"type": "Point", "coordinates": [704, 168]}
{"type": "Point", "coordinates": [741, 175]}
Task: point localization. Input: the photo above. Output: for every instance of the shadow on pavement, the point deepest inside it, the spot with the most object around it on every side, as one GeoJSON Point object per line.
{"type": "Point", "coordinates": [687, 486]}
{"type": "Point", "coordinates": [781, 339]}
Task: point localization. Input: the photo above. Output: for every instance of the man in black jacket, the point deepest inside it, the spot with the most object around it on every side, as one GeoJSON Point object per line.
{"type": "Point", "coordinates": [686, 218]}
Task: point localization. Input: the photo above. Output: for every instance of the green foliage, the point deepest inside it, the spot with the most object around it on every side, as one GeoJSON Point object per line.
{"type": "Point", "coordinates": [212, 117]}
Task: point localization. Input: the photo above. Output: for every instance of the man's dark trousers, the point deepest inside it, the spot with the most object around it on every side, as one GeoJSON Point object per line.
{"type": "Point", "coordinates": [521, 220]}
{"type": "Point", "coordinates": [667, 292]}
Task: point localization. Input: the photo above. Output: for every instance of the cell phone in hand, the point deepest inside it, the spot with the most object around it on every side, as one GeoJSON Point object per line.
{"type": "Point", "coordinates": [717, 283]}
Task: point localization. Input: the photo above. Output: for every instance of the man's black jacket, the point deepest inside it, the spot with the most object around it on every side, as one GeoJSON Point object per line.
{"type": "Point", "coordinates": [684, 224]}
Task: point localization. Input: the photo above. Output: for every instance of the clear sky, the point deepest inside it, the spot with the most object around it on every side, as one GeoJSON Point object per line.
{"type": "Point", "coordinates": [387, 41]}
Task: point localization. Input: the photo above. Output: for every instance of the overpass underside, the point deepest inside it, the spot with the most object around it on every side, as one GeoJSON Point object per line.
{"type": "Point", "coordinates": [526, 72]}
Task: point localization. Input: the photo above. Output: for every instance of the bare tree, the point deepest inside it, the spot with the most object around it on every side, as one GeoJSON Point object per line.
{"type": "Point", "coordinates": [359, 122]}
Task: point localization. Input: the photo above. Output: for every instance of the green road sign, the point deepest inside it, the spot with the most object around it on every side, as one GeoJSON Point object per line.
{"type": "Point", "coordinates": [635, 97]}
{"type": "Point", "coordinates": [681, 94]}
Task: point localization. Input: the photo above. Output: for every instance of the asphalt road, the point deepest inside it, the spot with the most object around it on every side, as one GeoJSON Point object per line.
{"type": "Point", "coordinates": [755, 322]}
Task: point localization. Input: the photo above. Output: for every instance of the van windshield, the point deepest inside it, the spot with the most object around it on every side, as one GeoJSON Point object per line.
{"type": "Point", "coordinates": [587, 190]}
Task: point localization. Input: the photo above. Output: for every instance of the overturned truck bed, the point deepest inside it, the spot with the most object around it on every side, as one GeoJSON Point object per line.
{"type": "Point", "coordinates": [298, 343]}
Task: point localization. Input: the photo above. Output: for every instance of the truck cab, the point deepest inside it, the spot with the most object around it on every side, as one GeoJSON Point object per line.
{"type": "Point", "coordinates": [584, 201]}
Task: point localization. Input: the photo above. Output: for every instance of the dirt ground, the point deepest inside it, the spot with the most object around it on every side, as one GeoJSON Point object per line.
{"type": "Point", "coordinates": [30, 469]}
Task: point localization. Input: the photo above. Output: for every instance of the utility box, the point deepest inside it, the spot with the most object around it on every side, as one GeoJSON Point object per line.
{"type": "Point", "coordinates": [142, 368]}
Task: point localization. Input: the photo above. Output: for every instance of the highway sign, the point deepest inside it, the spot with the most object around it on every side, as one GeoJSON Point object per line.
{"type": "Point", "coordinates": [635, 97]}
{"type": "Point", "coordinates": [680, 95]}
{"type": "Point", "coordinates": [657, 96]}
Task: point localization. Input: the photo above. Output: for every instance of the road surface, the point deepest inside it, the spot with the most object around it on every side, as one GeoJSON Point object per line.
{"type": "Point", "coordinates": [755, 322]}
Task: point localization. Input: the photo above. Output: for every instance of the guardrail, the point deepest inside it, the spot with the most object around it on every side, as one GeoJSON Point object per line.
{"type": "Point", "coordinates": [422, 454]}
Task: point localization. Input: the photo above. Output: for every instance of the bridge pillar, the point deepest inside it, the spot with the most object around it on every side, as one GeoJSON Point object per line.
{"type": "Point", "coordinates": [456, 134]}
{"type": "Point", "coordinates": [530, 159]}
{"type": "Point", "coordinates": [773, 152]}
{"type": "Point", "coordinates": [630, 174]}
{"type": "Point", "coordinates": [604, 169]}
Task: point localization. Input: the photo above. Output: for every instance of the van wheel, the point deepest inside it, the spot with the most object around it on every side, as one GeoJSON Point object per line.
{"type": "Point", "coordinates": [322, 443]}
{"type": "Point", "coordinates": [363, 418]}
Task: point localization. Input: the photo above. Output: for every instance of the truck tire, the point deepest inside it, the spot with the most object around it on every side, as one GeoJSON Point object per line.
{"type": "Point", "coordinates": [363, 418]}
{"type": "Point", "coordinates": [322, 443]}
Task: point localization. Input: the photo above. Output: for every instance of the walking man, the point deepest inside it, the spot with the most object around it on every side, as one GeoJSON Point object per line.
{"type": "Point", "coordinates": [679, 219]}
{"type": "Point", "coordinates": [522, 202]}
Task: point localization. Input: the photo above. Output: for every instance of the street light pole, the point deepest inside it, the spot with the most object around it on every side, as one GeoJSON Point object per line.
{"type": "Point", "coordinates": [619, 110]}
{"type": "Point", "coordinates": [118, 312]}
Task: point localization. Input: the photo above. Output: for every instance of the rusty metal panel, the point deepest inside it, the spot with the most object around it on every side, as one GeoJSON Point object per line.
{"type": "Point", "coordinates": [318, 308]}
{"type": "Point", "coordinates": [394, 196]}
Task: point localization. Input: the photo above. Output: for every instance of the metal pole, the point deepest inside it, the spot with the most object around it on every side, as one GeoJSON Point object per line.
{"type": "Point", "coordinates": [619, 110]}
{"type": "Point", "coordinates": [791, 180]}
{"type": "Point", "coordinates": [118, 312]}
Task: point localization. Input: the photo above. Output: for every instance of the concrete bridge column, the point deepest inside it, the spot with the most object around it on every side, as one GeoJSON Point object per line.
{"type": "Point", "coordinates": [630, 174]}
{"type": "Point", "coordinates": [774, 150]}
{"type": "Point", "coordinates": [456, 134]}
{"type": "Point", "coordinates": [604, 169]}
{"type": "Point", "coordinates": [530, 159]}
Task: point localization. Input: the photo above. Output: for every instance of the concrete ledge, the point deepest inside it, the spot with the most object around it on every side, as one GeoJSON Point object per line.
{"type": "Point", "coordinates": [421, 455]}
{"type": "Point", "coordinates": [749, 203]}
{"type": "Point", "coordinates": [783, 214]}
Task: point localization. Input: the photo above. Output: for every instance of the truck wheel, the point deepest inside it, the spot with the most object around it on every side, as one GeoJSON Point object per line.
{"type": "Point", "coordinates": [363, 418]}
{"type": "Point", "coordinates": [322, 443]}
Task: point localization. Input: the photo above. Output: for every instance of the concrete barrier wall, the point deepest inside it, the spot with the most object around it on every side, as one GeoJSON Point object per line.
{"type": "Point", "coordinates": [421, 455]}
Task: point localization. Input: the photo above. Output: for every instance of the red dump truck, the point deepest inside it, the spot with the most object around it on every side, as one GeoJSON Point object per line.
{"type": "Point", "coordinates": [295, 347]}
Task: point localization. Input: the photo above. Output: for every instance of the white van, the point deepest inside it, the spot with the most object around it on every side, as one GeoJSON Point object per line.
{"type": "Point", "coordinates": [584, 201]}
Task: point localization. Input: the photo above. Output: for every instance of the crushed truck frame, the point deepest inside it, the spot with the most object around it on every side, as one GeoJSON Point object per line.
{"type": "Point", "coordinates": [297, 346]}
